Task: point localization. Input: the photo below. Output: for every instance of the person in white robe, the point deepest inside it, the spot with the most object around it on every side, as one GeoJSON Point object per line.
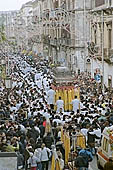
{"type": "Point", "coordinates": [51, 97]}
{"type": "Point", "coordinates": [75, 103]}
{"type": "Point", "coordinates": [60, 105]}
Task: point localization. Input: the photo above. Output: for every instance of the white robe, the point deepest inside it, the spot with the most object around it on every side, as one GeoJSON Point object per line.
{"type": "Point", "coordinates": [60, 105]}
{"type": "Point", "coordinates": [75, 104]}
{"type": "Point", "coordinates": [51, 96]}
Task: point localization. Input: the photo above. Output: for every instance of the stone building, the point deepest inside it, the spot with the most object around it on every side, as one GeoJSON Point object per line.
{"type": "Point", "coordinates": [66, 32]}
{"type": "Point", "coordinates": [101, 47]}
{"type": "Point", "coordinates": [7, 20]}
{"type": "Point", "coordinates": [58, 29]}
{"type": "Point", "coordinates": [21, 25]}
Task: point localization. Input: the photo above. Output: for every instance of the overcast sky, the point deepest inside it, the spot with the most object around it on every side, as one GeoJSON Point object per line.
{"type": "Point", "coordinates": [6, 5]}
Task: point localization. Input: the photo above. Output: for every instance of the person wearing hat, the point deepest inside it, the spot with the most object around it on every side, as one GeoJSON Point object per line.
{"type": "Point", "coordinates": [109, 164]}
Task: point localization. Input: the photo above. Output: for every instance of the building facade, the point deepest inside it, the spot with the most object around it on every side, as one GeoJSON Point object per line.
{"type": "Point", "coordinates": [75, 33]}
{"type": "Point", "coordinates": [57, 29]}
{"type": "Point", "coordinates": [101, 46]}
{"type": "Point", "coordinates": [66, 31]}
{"type": "Point", "coordinates": [21, 25]}
{"type": "Point", "coordinates": [7, 20]}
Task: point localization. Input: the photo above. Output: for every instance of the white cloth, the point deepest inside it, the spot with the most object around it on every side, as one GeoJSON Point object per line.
{"type": "Point", "coordinates": [13, 108]}
{"type": "Point", "coordinates": [18, 105]}
{"type": "Point", "coordinates": [60, 105]}
{"type": "Point", "coordinates": [75, 104]}
{"type": "Point", "coordinates": [84, 132]}
{"type": "Point", "coordinates": [37, 129]}
{"type": "Point", "coordinates": [57, 121]}
{"type": "Point", "coordinates": [61, 164]}
{"type": "Point", "coordinates": [44, 154]}
{"type": "Point", "coordinates": [33, 161]}
{"type": "Point", "coordinates": [12, 117]}
{"type": "Point", "coordinates": [59, 134]}
{"type": "Point", "coordinates": [37, 153]}
{"type": "Point", "coordinates": [47, 89]}
{"type": "Point", "coordinates": [14, 84]}
{"type": "Point", "coordinates": [97, 132]}
{"type": "Point", "coordinates": [39, 84]}
{"type": "Point", "coordinates": [51, 96]}
{"type": "Point", "coordinates": [37, 76]}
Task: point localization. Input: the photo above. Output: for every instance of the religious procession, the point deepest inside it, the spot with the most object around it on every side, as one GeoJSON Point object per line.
{"type": "Point", "coordinates": [52, 121]}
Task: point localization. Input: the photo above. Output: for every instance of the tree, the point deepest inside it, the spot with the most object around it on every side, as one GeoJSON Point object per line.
{"type": "Point", "coordinates": [2, 34]}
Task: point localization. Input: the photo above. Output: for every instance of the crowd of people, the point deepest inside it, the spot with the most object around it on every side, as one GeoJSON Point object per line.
{"type": "Point", "coordinates": [26, 109]}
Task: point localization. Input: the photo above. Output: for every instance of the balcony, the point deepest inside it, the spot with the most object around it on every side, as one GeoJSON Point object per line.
{"type": "Point", "coordinates": [108, 56]}
{"type": "Point", "coordinates": [64, 42]}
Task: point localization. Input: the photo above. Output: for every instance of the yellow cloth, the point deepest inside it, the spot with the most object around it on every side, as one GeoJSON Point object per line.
{"type": "Point", "coordinates": [81, 140]}
{"type": "Point", "coordinates": [62, 135]}
{"type": "Point", "coordinates": [78, 95]}
{"type": "Point", "coordinates": [48, 128]}
{"type": "Point", "coordinates": [61, 94]}
{"type": "Point", "coordinates": [30, 53]}
{"type": "Point", "coordinates": [69, 100]}
{"type": "Point", "coordinates": [56, 98]}
{"type": "Point", "coordinates": [76, 92]}
{"type": "Point", "coordinates": [53, 163]}
{"type": "Point", "coordinates": [72, 94]}
{"type": "Point", "coordinates": [24, 51]}
{"type": "Point", "coordinates": [58, 165]}
{"type": "Point", "coordinates": [65, 100]}
{"type": "Point", "coordinates": [103, 105]}
{"type": "Point", "coordinates": [67, 148]}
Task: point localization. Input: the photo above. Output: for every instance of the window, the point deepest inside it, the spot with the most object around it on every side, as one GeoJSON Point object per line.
{"type": "Point", "coordinates": [108, 2]}
{"type": "Point", "coordinates": [56, 4]}
{"type": "Point", "coordinates": [109, 29]}
{"type": "Point", "coordinates": [105, 144]}
{"type": "Point", "coordinates": [73, 2]}
{"type": "Point", "coordinates": [68, 5]}
{"type": "Point", "coordinates": [99, 2]}
{"type": "Point", "coordinates": [95, 37]}
{"type": "Point", "coordinates": [109, 36]}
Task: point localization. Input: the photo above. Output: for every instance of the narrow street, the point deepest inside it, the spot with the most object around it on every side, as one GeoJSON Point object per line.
{"type": "Point", "coordinates": [56, 84]}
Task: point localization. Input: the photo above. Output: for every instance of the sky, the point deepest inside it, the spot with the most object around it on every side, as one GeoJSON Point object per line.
{"type": "Point", "coordinates": [8, 5]}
